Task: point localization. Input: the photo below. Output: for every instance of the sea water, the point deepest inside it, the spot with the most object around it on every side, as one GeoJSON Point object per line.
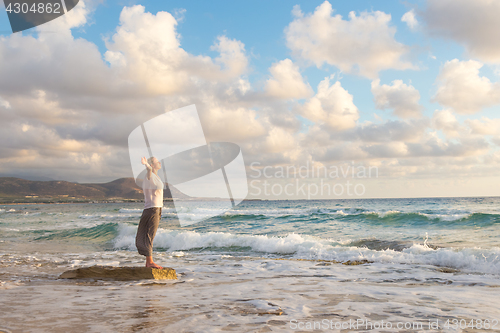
{"type": "Point", "coordinates": [423, 265]}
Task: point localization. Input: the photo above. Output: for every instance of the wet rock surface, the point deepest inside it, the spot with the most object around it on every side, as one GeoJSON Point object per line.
{"type": "Point", "coordinates": [120, 273]}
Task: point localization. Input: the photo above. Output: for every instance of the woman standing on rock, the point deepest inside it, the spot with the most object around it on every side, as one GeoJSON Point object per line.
{"type": "Point", "coordinates": [153, 203]}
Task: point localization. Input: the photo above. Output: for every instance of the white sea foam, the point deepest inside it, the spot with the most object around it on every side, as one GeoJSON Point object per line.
{"type": "Point", "coordinates": [447, 217]}
{"type": "Point", "coordinates": [130, 210]}
{"type": "Point", "coordinates": [204, 212]}
{"type": "Point", "coordinates": [33, 213]}
{"type": "Point", "coordinates": [309, 247]}
{"type": "Point", "coordinates": [100, 262]}
{"type": "Point", "coordinates": [272, 211]}
{"type": "Point", "coordinates": [338, 212]}
{"type": "Point", "coordinates": [109, 216]}
{"type": "Point", "coordinates": [450, 215]}
{"type": "Point", "coordinates": [207, 212]}
{"type": "Point", "coordinates": [381, 213]}
{"type": "Point", "coordinates": [262, 305]}
{"type": "Point", "coordinates": [88, 216]}
{"type": "Point", "coordinates": [140, 210]}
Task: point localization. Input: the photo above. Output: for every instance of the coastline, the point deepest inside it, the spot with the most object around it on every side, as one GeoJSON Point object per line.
{"type": "Point", "coordinates": [118, 200]}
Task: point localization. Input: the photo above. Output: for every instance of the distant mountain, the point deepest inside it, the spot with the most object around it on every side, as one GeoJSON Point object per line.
{"type": "Point", "coordinates": [125, 188]}
{"type": "Point", "coordinates": [120, 188]}
{"type": "Point", "coordinates": [26, 177]}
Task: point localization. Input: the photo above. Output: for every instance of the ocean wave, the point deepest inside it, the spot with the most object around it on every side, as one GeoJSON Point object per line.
{"type": "Point", "coordinates": [309, 247]}
{"type": "Point", "coordinates": [380, 244]}
{"type": "Point", "coordinates": [12, 210]}
{"type": "Point", "coordinates": [123, 215]}
{"type": "Point", "coordinates": [444, 216]}
{"type": "Point", "coordinates": [100, 233]}
{"type": "Point", "coordinates": [108, 216]}
{"type": "Point", "coordinates": [140, 210]}
{"type": "Point", "coordinates": [387, 216]}
{"type": "Point", "coordinates": [272, 212]}
{"type": "Point", "coordinates": [130, 210]}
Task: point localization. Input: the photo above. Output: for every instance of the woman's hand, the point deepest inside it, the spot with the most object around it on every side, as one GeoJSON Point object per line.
{"type": "Point", "coordinates": [145, 162]}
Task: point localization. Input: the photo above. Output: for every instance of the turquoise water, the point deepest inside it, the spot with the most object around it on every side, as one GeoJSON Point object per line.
{"type": "Point", "coordinates": [425, 230]}
{"type": "Point", "coordinates": [427, 258]}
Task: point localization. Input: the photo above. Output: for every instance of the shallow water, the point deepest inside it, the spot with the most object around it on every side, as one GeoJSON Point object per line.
{"type": "Point", "coordinates": [265, 266]}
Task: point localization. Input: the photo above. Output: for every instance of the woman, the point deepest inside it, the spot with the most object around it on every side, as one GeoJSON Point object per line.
{"type": "Point", "coordinates": [153, 203]}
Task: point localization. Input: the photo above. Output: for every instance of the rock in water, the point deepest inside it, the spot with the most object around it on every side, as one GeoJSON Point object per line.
{"type": "Point", "coordinates": [120, 273]}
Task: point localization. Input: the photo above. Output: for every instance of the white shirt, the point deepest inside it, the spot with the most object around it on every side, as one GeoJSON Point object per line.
{"type": "Point", "coordinates": [153, 192]}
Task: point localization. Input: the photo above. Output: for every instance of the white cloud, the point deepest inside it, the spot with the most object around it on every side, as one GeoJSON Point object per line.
{"type": "Point", "coordinates": [4, 103]}
{"type": "Point", "coordinates": [390, 131]}
{"type": "Point", "coordinates": [232, 57]}
{"type": "Point", "coordinates": [226, 122]}
{"type": "Point", "coordinates": [286, 81]}
{"type": "Point", "coordinates": [280, 140]}
{"type": "Point", "coordinates": [399, 97]}
{"type": "Point", "coordinates": [145, 51]}
{"type": "Point", "coordinates": [332, 105]}
{"type": "Point", "coordinates": [413, 130]}
{"type": "Point", "coordinates": [363, 44]}
{"type": "Point", "coordinates": [461, 87]}
{"type": "Point", "coordinates": [436, 147]}
{"type": "Point", "coordinates": [71, 111]}
{"type": "Point", "coordinates": [62, 63]}
{"type": "Point", "coordinates": [400, 140]}
{"type": "Point", "coordinates": [67, 104]}
{"type": "Point", "coordinates": [484, 126]}
{"type": "Point", "coordinates": [316, 136]}
{"type": "Point", "coordinates": [387, 150]}
{"type": "Point", "coordinates": [44, 140]}
{"type": "Point", "coordinates": [338, 151]}
{"type": "Point", "coordinates": [410, 19]}
{"type": "Point", "coordinates": [473, 23]}
{"type": "Point", "coordinates": [430, 147]}
{"type": "Point", "coordinates": [76, 17]}
{"type": "Point", "coordinates": [446, 121]}
{"type": "Point", "coordinates": [473, 131]}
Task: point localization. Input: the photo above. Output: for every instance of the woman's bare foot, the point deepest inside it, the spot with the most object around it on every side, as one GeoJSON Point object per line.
{"type": "Point", "coordinates": [150, 263]}
{"type": "Point", "coordinates": [153, 265]}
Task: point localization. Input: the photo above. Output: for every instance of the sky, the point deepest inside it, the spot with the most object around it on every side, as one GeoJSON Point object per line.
{"type": "Point", "coordinates": [410, 88]}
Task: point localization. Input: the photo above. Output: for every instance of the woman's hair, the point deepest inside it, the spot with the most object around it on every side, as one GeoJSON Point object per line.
{"type": "Point", "coordinates": [150, 160]}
